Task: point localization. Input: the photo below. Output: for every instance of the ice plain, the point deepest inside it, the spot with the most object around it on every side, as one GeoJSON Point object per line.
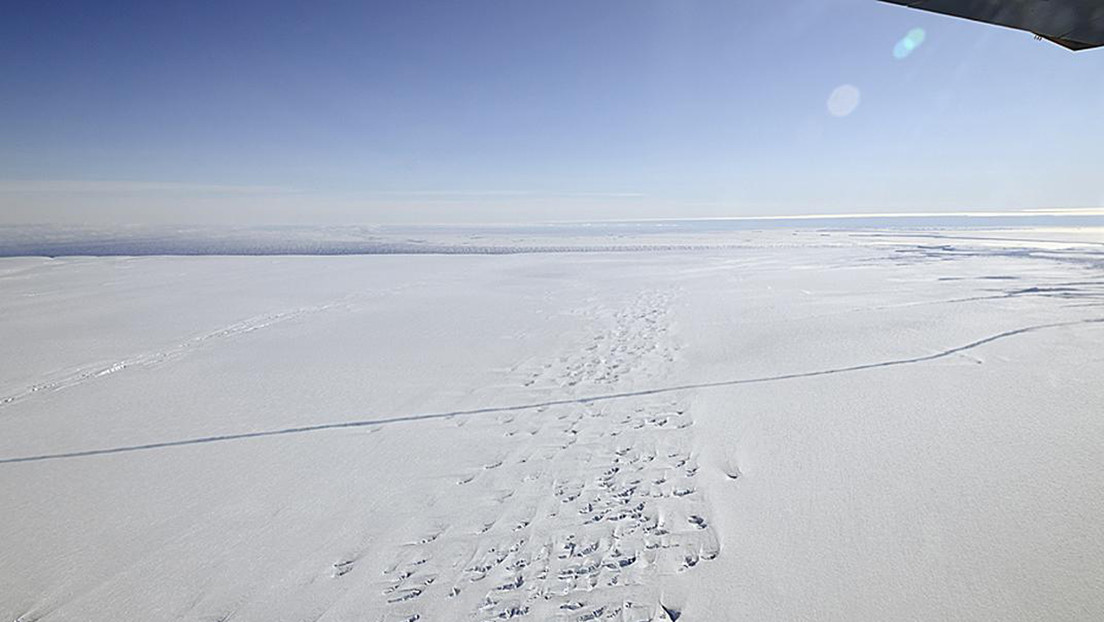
{"type": "Point", "coordinates": [759, 425]}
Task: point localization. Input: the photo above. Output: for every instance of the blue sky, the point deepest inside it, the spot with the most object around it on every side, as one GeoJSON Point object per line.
{"type": "Point", "coordinates": [517, 110]}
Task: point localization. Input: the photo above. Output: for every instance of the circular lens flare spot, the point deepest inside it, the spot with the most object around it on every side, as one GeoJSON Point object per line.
{"type": "Point", "coordinates": [912, 41]}
{"type": "Point", "coordinates": [844, 100]}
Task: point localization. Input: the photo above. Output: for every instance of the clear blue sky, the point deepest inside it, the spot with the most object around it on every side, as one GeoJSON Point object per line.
{"type": "Point", "coordinates": [518, 110]}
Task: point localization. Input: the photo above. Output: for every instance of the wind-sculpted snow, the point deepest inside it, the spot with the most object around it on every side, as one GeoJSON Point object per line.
{"type": "Point", "coordinates": [569, 380]}
{"type": "Point", "coordinates": [585, 509]}
{"type": "Point", "coordinates": [806, 424]}
{"type": "Point", "coordinates": [151, 359]}
{"type": "Point", "coordinates": [576, 521]}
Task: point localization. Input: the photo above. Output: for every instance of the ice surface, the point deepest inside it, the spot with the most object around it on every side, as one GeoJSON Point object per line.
{"type": "Point", "coordinates": [775, 425]}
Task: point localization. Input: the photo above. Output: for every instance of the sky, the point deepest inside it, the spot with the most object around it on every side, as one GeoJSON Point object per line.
{"type": "Point", "coordinates": [420, 111]}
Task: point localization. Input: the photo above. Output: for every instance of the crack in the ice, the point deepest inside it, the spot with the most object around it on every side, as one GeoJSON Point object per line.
{"type": "Point", "coordinates": [579, 400]}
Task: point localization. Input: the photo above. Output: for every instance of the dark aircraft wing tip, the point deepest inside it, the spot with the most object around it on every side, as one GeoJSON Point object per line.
{"type": "Point", "coordinates": [1070, 44]}
{"type": "Point", "coordinates": [1073, 24]}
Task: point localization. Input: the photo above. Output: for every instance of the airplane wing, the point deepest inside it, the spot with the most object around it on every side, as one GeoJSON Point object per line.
{"type": "Point", "coordinates": [1075, 24]}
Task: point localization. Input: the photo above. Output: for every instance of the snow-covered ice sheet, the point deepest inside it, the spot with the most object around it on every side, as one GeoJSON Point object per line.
{"type": "Point", "coordinates": [791, 425]}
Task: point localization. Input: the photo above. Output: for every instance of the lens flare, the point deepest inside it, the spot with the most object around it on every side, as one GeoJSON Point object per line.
{"type": "Point", "coordinates": [844, 100]}
{"type": "Point", "coordinates": [913, 40]}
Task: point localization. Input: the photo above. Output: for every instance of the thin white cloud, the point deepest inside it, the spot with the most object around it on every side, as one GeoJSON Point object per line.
{"type": "Point", "coordinates": [79, 187]}
{"type": "Point", "coordinates": [1069, 211]}
{"type": "Point", "coordinates": [54, 186]}
{"type": "Point", "coordinates": [504, 193]}
{"type": "Point", "coordinates": [866, 215]}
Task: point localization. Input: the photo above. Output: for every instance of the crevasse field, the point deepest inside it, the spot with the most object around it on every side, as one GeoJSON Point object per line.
{"type": "Point", "coordinates": [755, 425]}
